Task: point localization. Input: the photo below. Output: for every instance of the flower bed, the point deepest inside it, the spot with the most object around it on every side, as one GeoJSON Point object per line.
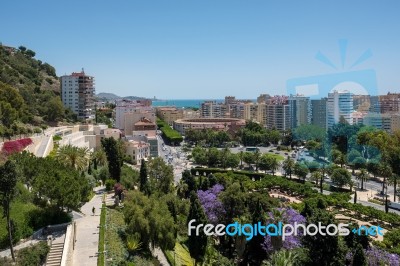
{"type": "Point", "coordinates": [14, 146]}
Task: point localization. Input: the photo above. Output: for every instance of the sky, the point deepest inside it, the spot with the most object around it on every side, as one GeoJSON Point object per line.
{"type": "Point", "coordinates": [206, 49]}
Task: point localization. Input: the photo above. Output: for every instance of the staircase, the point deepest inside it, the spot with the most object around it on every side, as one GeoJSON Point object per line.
{"type": "Point", "coordinates": [55, 254]}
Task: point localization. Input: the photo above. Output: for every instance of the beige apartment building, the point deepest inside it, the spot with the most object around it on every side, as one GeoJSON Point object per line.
{"type": "Point", "coordinates": [169, 114]}
{"type": "Point", "coordinates": [137, 150]}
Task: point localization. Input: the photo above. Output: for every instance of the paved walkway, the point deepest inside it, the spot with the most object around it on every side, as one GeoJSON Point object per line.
{"type": "Point", "coordinates": [87, 232]}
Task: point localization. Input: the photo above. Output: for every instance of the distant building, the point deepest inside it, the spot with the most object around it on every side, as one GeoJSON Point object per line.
{"type": "Point", "coordinates": [219, 124]}
{"type": "Point", "coordinates": [263, 98]}
{"type": "Point", "coordinates": [137, 150]}
{"type": "Point", "coordinates": [277, 116]}
{"type": "Point", "coordinates": [389, 103]}
{"type": "Point", "coordinates": [339, 106]}
{"type": "Point", "coordinates": [300, 110]}
{"type": "Point", "coordinates": [125, 107]}
{"type": "Point", "coordinates": [77, 93]}
{"type": "Point", "coordinates": [169, 114]}
{"type": "Point", "coordinates": [318, 112]}
{"type": "Point", "coordinates": [362, 103]}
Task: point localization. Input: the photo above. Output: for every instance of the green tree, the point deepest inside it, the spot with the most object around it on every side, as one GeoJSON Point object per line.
{"type": "Point", "coordinates": [8, 182]}
{"type": "Point", "coordinates": [394, 180]}
{"type": "Point", "coordinates": [324, 250]}
{"type": "Point", "coordinates": [341, 177]}
{"type": "Point", "coordinates": [99, 158]}
{"type": "Point", "coordinates": [73, 156]}
{"type": "Point", "coordinates": [55, 109]}
{"type": "Point", "coordinates": [269, 162]}
{"type": "Point", "coordinates": [114, 157]}
{"type": "Point", "coordinates": [232, 160]}
{"type": "Point", "coordinates": [301, 170]}
{"type": "Point", "coordinates": [288, 165]}
{"type": "Point", "coordinates": [359, 256]}
{"type": "Point", "coordinates": [144, 183]}
{"type": "Point", "coordinates": [161, 176]}
{"type": "Point", "coordinates": [363, 176]}
{"type": "Point", "coordinates": [197, 244]}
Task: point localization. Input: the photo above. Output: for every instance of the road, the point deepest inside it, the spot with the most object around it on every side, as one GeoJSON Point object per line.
{"type": "Point", "coordinates": [174, 157]}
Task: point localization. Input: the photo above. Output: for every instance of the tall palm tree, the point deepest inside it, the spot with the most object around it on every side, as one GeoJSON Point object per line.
{"type": "Point", "coordinates": [257, 156]}
{"type": "Point", "coordinates": [316, 176]}
{"type": "Point", "coordinates": [363, 175]}
{"type": "Point", "coordinates": [98, 157]}
{"type": "Point", "coordinates": [273, 164]}
{"type": "Point", "coordinates": [73, 156]}
{"type": "Point", "coordinates": [385, 171]}
{"type": "Point", "coordinates": [288, 166]}
{"type": "Point", "coordinates": [241, 155]}
{"type": "Point", "coordinates": [394, 180]}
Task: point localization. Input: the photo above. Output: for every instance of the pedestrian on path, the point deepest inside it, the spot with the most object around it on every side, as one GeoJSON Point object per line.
{"type": "Point", "coordinates": [93, 210]}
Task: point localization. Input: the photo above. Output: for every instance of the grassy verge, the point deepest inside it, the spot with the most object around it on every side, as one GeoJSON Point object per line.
{"type": "Point", "coordinates": [114, 231]}
{"type": "Point", "coordinates": [179, 257]}
{"type": "Point", "coordinates": [100, 260]}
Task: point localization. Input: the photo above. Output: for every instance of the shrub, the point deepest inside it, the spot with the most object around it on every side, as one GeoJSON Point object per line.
{"type": "Point", "coordinates": [19, 145]}
{"type": "Point", "coordinates": [34, 255]}
{"type": "Point", "coordinates": [110, 184]}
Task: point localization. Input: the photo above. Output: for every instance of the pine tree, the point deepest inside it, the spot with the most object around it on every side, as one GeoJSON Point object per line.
{"type": "Point", "coordinates": [359, 258]}
{"type": "Point", "coordinates": [144, 183]}
{"type": "Point", "coordinates": [114, 157]}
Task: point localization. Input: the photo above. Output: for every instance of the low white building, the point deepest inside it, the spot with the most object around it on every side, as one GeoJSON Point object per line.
{"type": "Point", "coordinates": [137, 150]}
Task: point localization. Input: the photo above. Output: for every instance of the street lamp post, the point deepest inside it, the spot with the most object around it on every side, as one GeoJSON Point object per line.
{"type": "Point", "coordinates": [386, 198]}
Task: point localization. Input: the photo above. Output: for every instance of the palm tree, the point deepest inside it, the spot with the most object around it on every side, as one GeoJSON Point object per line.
{"type": "Point", "coordinates": [385, 171]}
{"type": "Point", "coordinates": [363, 175]}
{"type": "Point", "coordinates": [133, 244]}
{"type": "Point", "coordinates": [73, 156]}
{"type": "Point", "coordinates": [316, 176]}
{"type": "Point", "coordinates": [257, 156]}
{"type": "Point", "coordinates": [282, 258]}
{"type": "Point", "coordinates": [98, 157]}
{"type": "Point", "coordinates": [393, 180]}
{"type": "Point", "coordinates": [273, 164]}
{"type": "Point", "coordinates": [288, 166]}
{"type": "Point", "coordinates": [241, 155]}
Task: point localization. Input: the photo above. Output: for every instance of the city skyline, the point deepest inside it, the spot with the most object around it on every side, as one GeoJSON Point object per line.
{"type": "Point", "coordinates": [181, 50]}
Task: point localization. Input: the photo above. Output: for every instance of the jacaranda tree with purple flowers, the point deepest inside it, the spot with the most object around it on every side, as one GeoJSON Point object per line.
{"type": "Point", "coordinates": [376, 257]}
{"type": "Point", "coordinates": [286, 216]}
{"type": "Point", "coordinates": [212, 206]}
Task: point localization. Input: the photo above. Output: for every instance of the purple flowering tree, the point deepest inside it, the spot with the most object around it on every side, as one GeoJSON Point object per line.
{"type": "Point", "coordinates": [377, 257]}
{"type": "Point", "coordinates": [286, 216]}
{"type": "Point", "coordinates": [211, 204]}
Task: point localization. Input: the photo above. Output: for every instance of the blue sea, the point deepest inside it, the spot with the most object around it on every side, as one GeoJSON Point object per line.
{"type": "Point", "coordinates": [183, 103]}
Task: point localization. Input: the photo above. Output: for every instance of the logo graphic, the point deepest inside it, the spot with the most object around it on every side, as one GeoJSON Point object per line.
{"type": "Point", "coordinates": [362, 82]}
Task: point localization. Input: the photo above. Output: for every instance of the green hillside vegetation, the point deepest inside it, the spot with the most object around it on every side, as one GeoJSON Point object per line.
{"type": "Point", "coordinates": [29, 93]}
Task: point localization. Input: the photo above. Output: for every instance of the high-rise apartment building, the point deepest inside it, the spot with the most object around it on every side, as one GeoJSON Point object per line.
{"type": "Point", "coordinates": [277, 113]}
{"type": "Point", "coordinates": [300, 110]}
{"type": "Point", "coordinates": [77, 93]}
{"type": "Point", "coordinates": [339, 106]}
{"type": "Point", "coordinates": [318, 112]}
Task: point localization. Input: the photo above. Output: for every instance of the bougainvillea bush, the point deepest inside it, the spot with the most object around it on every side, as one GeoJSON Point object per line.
{"type": "Point", "coordinates": [19, 145]}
